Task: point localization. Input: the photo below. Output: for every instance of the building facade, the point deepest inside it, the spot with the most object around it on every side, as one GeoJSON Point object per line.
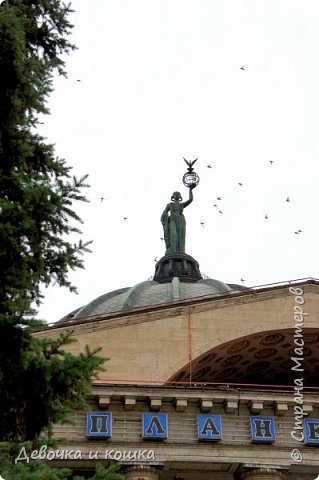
{"type": "Point", "coordinates": [205, 380]}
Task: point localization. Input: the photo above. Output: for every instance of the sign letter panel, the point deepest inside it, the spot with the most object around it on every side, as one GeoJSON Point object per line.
{"type": "Point", "coordinates": [209, 427]}
{"type": "Point", "coordinates": [311, 426]}
{"type": "Point", "coordinates": [99, 424]}
{"type": "Point", "coordinates": [155, 426]}
{"type": "Point", "coordinates": [262, 429]}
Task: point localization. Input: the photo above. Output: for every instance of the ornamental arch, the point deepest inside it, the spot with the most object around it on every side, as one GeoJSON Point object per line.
{"type": "Point", "coordinates": [246, 360]}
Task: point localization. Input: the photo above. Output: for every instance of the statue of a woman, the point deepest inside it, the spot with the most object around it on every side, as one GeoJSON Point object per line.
{"type": "Point", "coordinates": [174, 223]}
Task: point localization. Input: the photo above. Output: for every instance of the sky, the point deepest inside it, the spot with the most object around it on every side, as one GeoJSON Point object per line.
{"type": "Point", "coordinates": [156, 81]}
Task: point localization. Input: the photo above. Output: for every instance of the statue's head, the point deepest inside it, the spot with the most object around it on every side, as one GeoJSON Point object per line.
{"type": "Point", "coordinates": [176, 197]}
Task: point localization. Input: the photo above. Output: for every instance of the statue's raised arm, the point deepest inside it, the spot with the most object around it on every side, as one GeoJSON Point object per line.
{"type": "Point", "coordinates": [190, 196]}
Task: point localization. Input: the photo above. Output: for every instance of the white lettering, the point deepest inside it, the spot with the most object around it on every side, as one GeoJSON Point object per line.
{"type": "Point", "coordinates": [141, 454]}
{"type": "Point", "coordinates": [50, 455]}
{"type": "Point", "coordinates": [68, 454]}
{"type": "Point", "coordinates": [43, 452]}
{"type": "Point", "coordinates": [117, 455]}
{"type": "Point", "coordinates": [300, 311]}
{"type": "Point", "coordinates": [134, 455]}
{"type": "Point", "coordinates": [296, 290]}
{"type": "Point", "coordinates": [298, 333]}
{"type": "Point", "coordinates": [299, 422]}
{"type": "Point", "coordinates": [297, 367]}
{"type": "Point", "coordinates": [299, 341]}
{"type": "Point", "coordinates": [59, 454]}
{"type": "Point", "coordinates": [127, 455]}
{"type": "Point", "coordinates": [22, 452]}
{"type": "Point", "coordinates": [299, 436]}
{"type": "Point", "coordinates": [299, 410]}
{"type": "Point", "coordinates": [108, 454]}
{"type": "Point", "coordinates": [34, 455]}
{"type": "Point", "coordinates": [77, 455]}
{"type": "Point", "coordinates": [151, 455]}
{"type": "Point", "coordinates": [93, 455]}
{"type": "Point", "coordinates": [298, 351]}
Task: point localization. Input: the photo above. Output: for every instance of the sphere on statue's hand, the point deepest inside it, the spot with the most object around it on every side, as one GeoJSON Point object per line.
{"type": "Point", "coordinates": [191, 179]}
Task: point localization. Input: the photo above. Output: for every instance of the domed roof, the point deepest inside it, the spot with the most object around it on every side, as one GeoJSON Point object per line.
{"type": "Point", "coordinates": [149, 293]}
{"type": "Point", "coordinates": [177, 274]}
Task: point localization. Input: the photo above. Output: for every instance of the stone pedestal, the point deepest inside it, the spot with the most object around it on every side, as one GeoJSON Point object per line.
{"type": "Point", "coordinates": [248, 473]}
{"type": "Point", "coordinates": [179, 265]}
{"type": "Point", "coordinates": [141, 472]}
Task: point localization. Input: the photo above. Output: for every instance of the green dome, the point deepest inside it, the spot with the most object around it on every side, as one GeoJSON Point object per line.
{"type": "Point", "coordinates": [149, 293]}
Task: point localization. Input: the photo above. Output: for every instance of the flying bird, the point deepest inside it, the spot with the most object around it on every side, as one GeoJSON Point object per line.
{"type": "Point", "coordinates": [155, 259]}
{"type": "Point", "coordinates": [298, 232]}
{"type": "Point", "coordinates": [215, 205]}
{"type": "Point", "coordinates": [242, 280]}
{"type": "Point", "coordinates": [240, 184]}
{"type": "Point", "coordinates": [202, 224]}
{"type": "Point", "coordinates": [219, 198]}
{"type": "Point", "coordinates": [266, 216]}
{"type": "Point", "coordinates": [271, 162]}
{"type": "Point", "coordinates": [79, 80]}
{"type": "Point", "coordinates": [162, 239]}
{"type": "Point", "coordinates": [288, 199]}
{"type": "Point", "coordinates": [243, 67]}
{"type": "Point", "coordinates": [102, 199]}
{"type": "Point", "coordinates": [219, 211]}
{"type": "Point", "coordinates": [209, 166]}
{"type": "Point", "coordinates": [125, 219]}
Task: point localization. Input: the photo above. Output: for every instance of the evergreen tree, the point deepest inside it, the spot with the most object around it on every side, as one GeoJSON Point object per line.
{"type": "Point", "coordinates": [40, 382]}
{"type": "Point", "coordinates": [36, 188]}
{"type": "Point", "coordinates": [36, 218]}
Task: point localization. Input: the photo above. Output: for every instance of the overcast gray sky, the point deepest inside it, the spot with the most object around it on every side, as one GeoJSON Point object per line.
{"type": "Point", "coordinates": [161, 80]}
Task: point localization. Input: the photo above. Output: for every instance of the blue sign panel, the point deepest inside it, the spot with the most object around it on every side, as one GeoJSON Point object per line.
{"type": "Point", "coordinates": [209, 427]}
{"type": "Point", "coordinates": [155, 426]}
{"type": "Point", "coordinates": [311, 427]}
{"type": "Point", "coordinates": [99, 424]}
{"type": "Point", "coordinates": [262, 429]}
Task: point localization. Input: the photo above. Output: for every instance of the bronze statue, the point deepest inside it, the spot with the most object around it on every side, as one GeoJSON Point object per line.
{"type": "Point", "coordinates": [174, 223]}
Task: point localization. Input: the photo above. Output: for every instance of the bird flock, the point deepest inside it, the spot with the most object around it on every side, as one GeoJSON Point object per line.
{"type": "Point", "coordinates": [241, 185]}
{"type": "Point", "coordinates": [217, 204]}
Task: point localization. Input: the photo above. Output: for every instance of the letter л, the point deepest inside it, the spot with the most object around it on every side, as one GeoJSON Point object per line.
{"type": "Point", "coordinates": [155, 426]}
